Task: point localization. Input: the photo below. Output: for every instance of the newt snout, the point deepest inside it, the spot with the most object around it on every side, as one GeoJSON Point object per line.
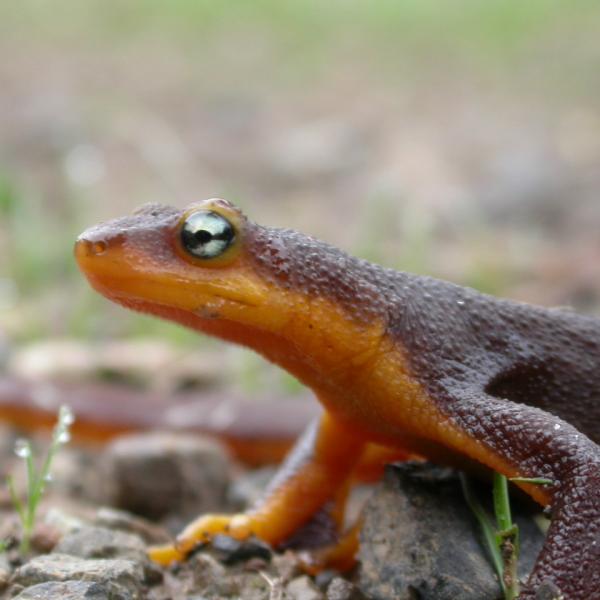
{"type": "Point", "coordinates": [98, 240]}
{"type": "Point", "coordinates": [85, 248]}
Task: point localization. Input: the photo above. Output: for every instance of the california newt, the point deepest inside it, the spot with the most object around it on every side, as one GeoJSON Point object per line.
{"type": "Point", "coordinates": [405, 362]}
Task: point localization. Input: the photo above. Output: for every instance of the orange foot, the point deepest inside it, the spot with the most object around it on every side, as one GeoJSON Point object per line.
{"type": "Point", "coordinates": [238, 526]}
{"type": "Point", "coordinates": [340, 556]}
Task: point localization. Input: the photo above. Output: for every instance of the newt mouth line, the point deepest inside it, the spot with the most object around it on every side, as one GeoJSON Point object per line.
{"type": "Point", "coordinates": [208, 296]}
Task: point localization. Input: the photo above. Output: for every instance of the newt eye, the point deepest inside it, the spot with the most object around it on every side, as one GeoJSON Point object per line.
{"type": "Point", "coordinates": [207, 234]}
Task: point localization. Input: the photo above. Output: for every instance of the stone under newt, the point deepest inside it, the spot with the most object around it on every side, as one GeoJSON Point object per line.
{"type": "Point", "coordinates": [400, 363]}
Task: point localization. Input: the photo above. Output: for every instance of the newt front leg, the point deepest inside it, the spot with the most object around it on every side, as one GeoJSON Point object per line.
{"type": "Point", "coordinates": [319, 466]}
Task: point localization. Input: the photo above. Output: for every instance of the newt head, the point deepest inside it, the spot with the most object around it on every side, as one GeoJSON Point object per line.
{"type": "Point", "coordinates": [179, 264]}
{"type": "Point", "coordinates": [296, 300]}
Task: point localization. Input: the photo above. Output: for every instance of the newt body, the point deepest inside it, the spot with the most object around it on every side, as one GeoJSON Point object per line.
{"type": "Point", "coordinates": [399, 362]}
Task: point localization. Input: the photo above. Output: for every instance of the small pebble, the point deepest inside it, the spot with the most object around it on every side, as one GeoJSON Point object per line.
{"type": "Point", "coordinates": [303, 588]}
{"type": "Point", "coordinates": [342, 589]}
{"type": "Point", "coordinates": [161, 474]}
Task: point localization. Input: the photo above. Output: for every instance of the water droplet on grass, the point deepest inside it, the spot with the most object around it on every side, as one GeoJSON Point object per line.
{"type": "Point", "coordinates": [22, 448]}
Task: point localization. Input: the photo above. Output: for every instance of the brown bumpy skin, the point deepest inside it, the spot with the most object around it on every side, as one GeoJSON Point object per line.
{"type": "Point", "coordinates": [400, 364]}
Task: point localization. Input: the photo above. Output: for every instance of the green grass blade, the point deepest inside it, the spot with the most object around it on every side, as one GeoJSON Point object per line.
{"type": "Point", "coordinates": [507, 537]}
{"type": "Point", "coordinates": [36, 479]}
{"type": "Point", "coordinates": [502, 502]}
{"type": "Point", "coordinates": [532, 480]}
{"type": "Point", "coordinates": [487, 527]}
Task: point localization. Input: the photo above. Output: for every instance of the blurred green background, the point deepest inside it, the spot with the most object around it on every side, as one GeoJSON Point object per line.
{"type": "Point", "coordinates": [459, 139]}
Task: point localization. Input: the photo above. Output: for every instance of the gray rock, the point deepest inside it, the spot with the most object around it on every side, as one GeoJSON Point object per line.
{"type": "Point", "coordinates": [209, 579]}
{"type": "Point", "coordinates": [121, 578]}
{"type": "Point", "coordinates": [342, 589]}
{"type": "Point", "coordinates": [5, 571]}
{"type": "Point", "coordinates": [67, 590]}
{"type": "Point", "coordinates": [302, 588]}
{"type": "Point", "coordinates": [98, 542]}
{"type": "Point", "coordinates": [111, 518]}
{"type": "Point", "coordinates": [62, 521]}
{"type": "Point", "coordinates": [420, 540]}
{"type": "Point", "coordinates": [78, 473]}
{"type": "Point", "coordinates": [208, 576]}
{"type": "Point", "coordinates": [548, 591]}
{"type": "Point", "coordinates": [161, 474]}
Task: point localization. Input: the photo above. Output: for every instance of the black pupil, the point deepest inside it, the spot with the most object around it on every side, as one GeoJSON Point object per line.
{"type": "Point", "coordinates": [203, 236]}
{"type": "Point", "coordinates": [207, 234]}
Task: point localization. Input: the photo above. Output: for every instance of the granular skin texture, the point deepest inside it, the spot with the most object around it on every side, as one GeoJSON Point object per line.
{"type": "Point", "coordinates": [524, 380]}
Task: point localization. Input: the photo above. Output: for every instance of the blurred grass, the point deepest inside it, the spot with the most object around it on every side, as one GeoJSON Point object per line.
{"type": "Point", "coordinates": [37, 257]}
{"type": "Point", "coordinates": [40, 244]}
{"type": "Point", "coordinates": [405, 31]}
{"type": "Point", "coordinates": [302, 35]}
{"type": "Point", "coordinates": [494, 22]}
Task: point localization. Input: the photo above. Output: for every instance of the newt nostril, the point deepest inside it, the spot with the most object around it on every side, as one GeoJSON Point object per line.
{"type": "Point", "coordinates": [86, 248]}
{"type": "Point", "coordinates": [99, 247]}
